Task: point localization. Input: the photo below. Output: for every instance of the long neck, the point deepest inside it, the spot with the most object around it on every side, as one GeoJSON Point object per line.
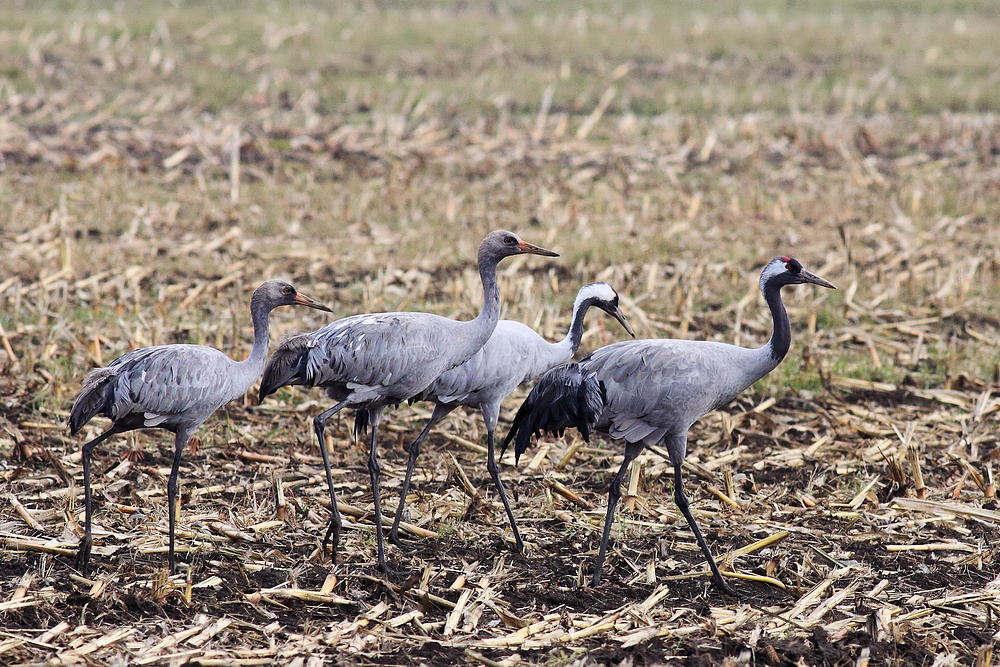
{"type": "Point", "coordinates": [763, 360]}
{"type": "Point", "coordinates": [568, 346]}
{"type": "Point", "coordinates": [482, 326]}
{"type": "Point", "coordinates": [248, 370]}
{"type": "Point", "coordinates": [781, 336]}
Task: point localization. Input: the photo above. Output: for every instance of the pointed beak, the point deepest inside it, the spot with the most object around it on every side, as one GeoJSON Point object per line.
{"type": "Point", "coordinates": [620, 316]}
{"type": "Point", "coordinates": [303, 300]}
{"type": "Point", "coordinates": [807, 277]}
{"type": "Point", "coordinates": [529, 249]}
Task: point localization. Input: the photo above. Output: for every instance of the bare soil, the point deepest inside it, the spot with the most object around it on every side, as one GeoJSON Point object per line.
{"type": "Point", "coordinates": [157, 164]}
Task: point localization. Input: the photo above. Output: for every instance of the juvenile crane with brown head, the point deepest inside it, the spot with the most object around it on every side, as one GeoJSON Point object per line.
{"type": "Point", "coordinates": [368, 362]}
{"type": "Point", "coordinates": [175, 388]}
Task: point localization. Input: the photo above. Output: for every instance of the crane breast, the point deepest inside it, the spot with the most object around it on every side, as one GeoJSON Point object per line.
{"type": "Point", "coordinates": [509, 357]}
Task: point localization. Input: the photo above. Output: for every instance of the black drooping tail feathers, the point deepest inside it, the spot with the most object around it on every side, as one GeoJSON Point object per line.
{"type": "Point", "coordinates": [287, 366]}
{"type": "Point", "coordinates": [94, 398]}
{"type": "Point", "coordinates": [361, 422]}
{"type": "Point", "coordinates": [565, 397]}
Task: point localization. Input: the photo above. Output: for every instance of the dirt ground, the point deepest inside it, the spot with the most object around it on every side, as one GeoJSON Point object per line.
{"type": "Point", "coordinates": [863, 572]}
{"type": "Point", "coordinates": [156, 165]}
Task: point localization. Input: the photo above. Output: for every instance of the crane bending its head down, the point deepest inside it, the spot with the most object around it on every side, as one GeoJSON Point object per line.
{"type": "Point", "coordinates": [512, 355]}
{"type": "Point", "coordinates": [653, 390]}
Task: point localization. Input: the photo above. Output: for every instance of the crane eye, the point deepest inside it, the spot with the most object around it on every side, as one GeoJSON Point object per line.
{"type": "Point", "coordinates": [287, 290]}
{"type": "Point", "coordinates": [509, 239]}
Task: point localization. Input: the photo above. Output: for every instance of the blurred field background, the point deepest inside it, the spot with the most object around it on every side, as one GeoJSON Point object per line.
{"type": "Point", "coordinates": [159, 160]}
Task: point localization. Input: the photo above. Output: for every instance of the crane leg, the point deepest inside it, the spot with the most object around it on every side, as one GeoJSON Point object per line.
{"type": "Point", "coordinates": [375, 416]}
{"type": "Point", "coordinates": [682, 504]}
{"type": "Point", "coordinates": [411, 463]}
{"type": "Point", "coordinates": [632, 450]}
{"type": "Point", "coordinates": [491, 465]}
{"type": "Point", "coordinates": [87, 541]}
{"type": "Point", "coordinates": [180, 440]}
{"type": "Point", "coordinates": [336, 521]}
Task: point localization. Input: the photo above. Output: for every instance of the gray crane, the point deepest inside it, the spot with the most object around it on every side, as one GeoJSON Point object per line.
{"type": "Point", "coordinates": [645, 391]}
{"type": "Point", "coordinates": [368, 362]}
{"type": "Point", "coordinates": [173, 387]}
{"type": "Point", "coordinates": [512, 355]}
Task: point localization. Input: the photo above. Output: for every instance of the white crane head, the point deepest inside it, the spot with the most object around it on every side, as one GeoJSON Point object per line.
{"type": "Point", "coordinates": [782, 271]}
{"type": "Point", "coordinates": [276, 293]}
{"type": "Point", "coordinates": [501, 243]}
{"type": "Point", "coordinates": [603, 296]}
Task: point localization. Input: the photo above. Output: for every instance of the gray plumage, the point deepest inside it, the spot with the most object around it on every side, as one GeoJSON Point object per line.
{"type": "Point", "coordinates": [513, 354]}
{"type": "Point", "coordinates": [175, 388]}
{"type": "Point", "coordinates": [370, 361]}
{"type": "Point", "coordinates": [167, 386]}
{"type": "Point", "coordinates": [647, 391]}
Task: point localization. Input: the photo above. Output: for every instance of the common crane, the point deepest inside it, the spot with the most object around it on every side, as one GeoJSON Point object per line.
{"type": "Point", "coordinates": [175, 388]}
{"type": "Point", "coordinates": [512, 355]}
{"type": "Point", "coordinates": [653, 390]}
{"type": "Point", "coordinates": [367, 362]}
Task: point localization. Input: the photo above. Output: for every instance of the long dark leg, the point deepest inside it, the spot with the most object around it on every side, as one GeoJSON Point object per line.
{"type": "Point", "coordinates": [180, 440]}
{"type": "Point", "coordinates": [491, 465]}
{"type": "Point", "coordinates": [374, 417]}
{"type": "Point", "coordinates": [336, 521]}
{"type": "Point", "coordinates": [682, 504]}
{"type": "Point", "coordinates": [440, 412]}
{"type": "Point", "coordinates": [87, 541]}
{"type": "Point", "coordinates": [632, 450]}
{"type": "Point", "coordinates": [490, 414]}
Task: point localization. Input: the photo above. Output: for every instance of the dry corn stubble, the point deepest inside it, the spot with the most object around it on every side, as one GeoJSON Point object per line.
{"type": "Point", "coordinates": [159, 164]}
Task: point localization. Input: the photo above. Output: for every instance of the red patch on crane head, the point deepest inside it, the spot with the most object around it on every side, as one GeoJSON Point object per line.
{"type": "Point", "coordinates": [792, 265]}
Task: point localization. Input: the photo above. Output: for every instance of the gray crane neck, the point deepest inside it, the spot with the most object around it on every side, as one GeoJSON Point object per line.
{"type": "Point", "coordinates": [253, 365]}
{"type": "Point", "coordinates": [488, 317]}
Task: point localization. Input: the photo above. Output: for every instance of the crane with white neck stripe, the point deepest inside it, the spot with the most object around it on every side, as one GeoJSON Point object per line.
{"type": "Point", "coordinates": [512, 355]}
{"type": "Point", "coordinates": [653, 390]}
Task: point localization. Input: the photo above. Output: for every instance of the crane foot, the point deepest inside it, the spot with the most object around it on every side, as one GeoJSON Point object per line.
{"type": "Point", "coordinates": [83, 554]}
{"type": "Point", "coordinates": [721, 584]}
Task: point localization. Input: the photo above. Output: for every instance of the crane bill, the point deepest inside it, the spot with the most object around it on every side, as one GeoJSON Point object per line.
{"type": "Point", "coordinates": [812, 278]}
{"type": "Point", "coordinates": [303, 300]}
{"type": "Point", "coordinates": [620, 316]}
{"type": "Point", "coordinates": [531, 249]}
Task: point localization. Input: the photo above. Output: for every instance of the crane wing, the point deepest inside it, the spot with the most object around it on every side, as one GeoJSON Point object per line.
{"type": "Point", "coordinates": [660, 386]}
{"type": "Point", "coordinates": [168, 380]}
{"type": "Point", "coordinates": [404, 350]}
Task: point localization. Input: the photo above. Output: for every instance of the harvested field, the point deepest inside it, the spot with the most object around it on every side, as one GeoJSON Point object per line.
{"type": "Point", "coordinates": [158, 162]}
